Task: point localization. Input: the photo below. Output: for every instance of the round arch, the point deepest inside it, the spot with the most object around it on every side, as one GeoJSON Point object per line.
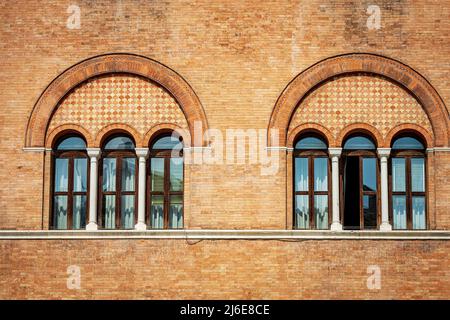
{"type": "Point", "coordinates": [394, 70]}
{"type": "Point", "coordinates": [114, 63]}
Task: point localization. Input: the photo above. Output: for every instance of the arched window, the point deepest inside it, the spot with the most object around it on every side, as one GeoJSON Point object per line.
{"type": "Point", "coordinates": [165, 184]}
{"type": "Point", "coordinates": [118, 183]}
{"type": "Point", "coordinates": [311, 183]}
{"type": "Point", "coordinates": [408, 183]}
{"type": "Point", "coordinates": [70, 183]}
{"type": "Point", "coordinates": [359, 183]}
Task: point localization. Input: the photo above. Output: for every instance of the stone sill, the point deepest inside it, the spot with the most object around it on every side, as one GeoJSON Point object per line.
{"type": "Point", "coordinates": [223, 235]}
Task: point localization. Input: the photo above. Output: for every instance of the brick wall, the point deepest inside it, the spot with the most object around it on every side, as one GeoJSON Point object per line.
{"type": "Point", "coordinates": [176, 269]}
{"type": "Point", "coordinates": [238, 57]}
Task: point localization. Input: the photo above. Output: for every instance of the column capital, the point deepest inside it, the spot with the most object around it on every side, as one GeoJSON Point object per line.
{"type": "Point", "coordinates": [335, 152]}
{"type": "Point", "coordinates": [383, 152]}
{"type": "Point", "coordinates": [141, 152]}
{"type": "Point", "coordinates": [94, 152]}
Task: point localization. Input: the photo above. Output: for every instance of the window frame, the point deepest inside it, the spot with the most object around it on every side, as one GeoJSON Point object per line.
{"type": "Point", "coordinates": [408, 193]}
{"type": "Point", "coordinates": [311, 154]}
{"type": "Point", "coordinates": [361, 154]}
{"type": "Point", "coordinates": [165, 154]}
{"type": "Point", "coordinates": [118, 154]}
{"type": "Point", "coordinates": [71, 155]}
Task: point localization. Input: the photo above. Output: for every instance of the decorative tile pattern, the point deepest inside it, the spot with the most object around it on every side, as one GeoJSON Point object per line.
{"type": "Point", "coordinates": [118, 98]}
{"type": "Point", "coordinates": [360, 98]}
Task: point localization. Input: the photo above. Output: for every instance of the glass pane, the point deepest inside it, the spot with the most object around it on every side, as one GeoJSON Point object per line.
{"type": "Point", "coordinates": [407, 143]}
{"type": "Point", "coordinates": [79, 212]}
{"type": "Point", "coordinates": [120, 143]}
{"type": "Point", "coordinates": [301, 212]}
{"type": "Point", "coordinates": [128, 173]}
{"type": "Point", "coordinates": [61, 175]}
{"type": "Point", "coordinates": [311, 143]}
{"type": "Point", "coordinates": [157, 212]}
{"type": "Point", "coordinates": [301, 174]}
{"type": "Point", "coordinates": [109, 212]}
{"type": "Point", "coordinates": [176, 212]}
{"type": "Point", "coordinates": [321, 211]}
{"type": "Point", "coordinates": [176, 174]}
{"type": "Point", "coordinates": [157, 172]}
{"type": "Point", "coordinates": [370, 211]}
{"type": "Point", "coordinates": [60, 212]}
{"type": "Point", "coordinates": [369, 174]}
{"type": "Point", "coordinates": [320, 174]}
{"type": "Point", "coordinates": [168, 143]}
{"type": "Point", "coordinates": [418, 213]}
{"type": "Point", "coordinates": [417, 175]}
{"type": "Point", "coordinates": [399, 212]}
{"type": "Point", "coordinates": [127, 212]}
{"type": "Point", "coordinates": [80, 175]}
{"type": "Point", "coordinates": [109, 174]}
{"type": "Point", "coordinates": [72, 143]}
{"type": "Point", "coordinates": [398, 175]}
{"type": "Point", "coordinates": [358, 143]}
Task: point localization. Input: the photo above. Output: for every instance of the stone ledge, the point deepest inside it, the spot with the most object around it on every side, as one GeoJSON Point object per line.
{"type": "Point", "coordinates": [223, 235]}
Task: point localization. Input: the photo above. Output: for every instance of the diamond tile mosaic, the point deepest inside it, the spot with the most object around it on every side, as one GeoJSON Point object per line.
{"type": "Point", "coordinates": [118, 99]}
{"type": "Point", "coordinates": [360, 98]}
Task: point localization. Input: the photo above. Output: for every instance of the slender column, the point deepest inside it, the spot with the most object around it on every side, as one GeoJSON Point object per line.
{"type": "Point", "coordinates": [335, 153]}
{"type": "Point", "coordinates": [142, 153]}
{"type": "Point", "coordinates": [94, 154]}
{"type": "Point", "coordinates": [383, 153]}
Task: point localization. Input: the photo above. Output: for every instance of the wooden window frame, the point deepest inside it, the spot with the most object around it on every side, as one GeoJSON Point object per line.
{"type": "Point", "coordinates": [118, 193]}
{"type": "Point", "coordinates": [311, 155]}
{"type": "Point", "coordinates": [408, 155]}
{"type": "Point", "coordinates": [166, 154]}
{"type": "Point", "coordinates": [71, 155]}
{"type": "Point", "coordinates": [361, 154]}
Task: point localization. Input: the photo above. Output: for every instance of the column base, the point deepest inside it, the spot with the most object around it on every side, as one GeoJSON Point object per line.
{"type": "Point", "coordinates": [336, 226]}
{"type": "Point", "coordinates": [140, 226]}
{"type": "Point", "coordinates": [385, 226]}
{"type": "Point", "coordinates": [92, 226]}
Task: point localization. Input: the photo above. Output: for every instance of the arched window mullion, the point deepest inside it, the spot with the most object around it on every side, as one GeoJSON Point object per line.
{"type": "Point", "coordinates": [359, 161]}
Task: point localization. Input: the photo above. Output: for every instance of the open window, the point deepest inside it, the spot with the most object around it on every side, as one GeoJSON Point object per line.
{"type": "Point", "coordinates": [360, 182]}
{"type": "Point", "coordinates": [311, 183]}
{"type": "Point", "coordinates": [118, 183]}
{"type": "Point", "coordinates": [408, 183]}
{"type": "Point", "coordinates": [166, 182]}
{"type": "Point", "coordinates": [70, 183]}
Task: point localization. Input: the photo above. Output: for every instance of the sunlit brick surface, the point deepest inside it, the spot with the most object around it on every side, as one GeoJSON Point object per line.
{"type": "Point", "coordinates": [238, 57]}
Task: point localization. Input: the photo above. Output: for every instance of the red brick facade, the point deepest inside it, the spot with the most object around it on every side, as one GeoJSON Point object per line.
{"type": "Point", "coordinates": [291, 66]}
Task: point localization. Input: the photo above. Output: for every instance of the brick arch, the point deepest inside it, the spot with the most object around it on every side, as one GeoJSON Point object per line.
{"type": "Point", "coordinates": [108, 130]}
{"type": "Point", "coordinates": [399, 73]}
{"type": "Point", "coordinates": [160, 128]}
{"type": "Point", "coordinates": [47, 103]}
{"type": "Point", "coordinates": [409, 127]}
{"type": "Point", "coordinates": [363, 128]}
{"type": "Point", "coordinates": [61, 130]}
{"type": "Point", "coordinates": [310, 127]}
